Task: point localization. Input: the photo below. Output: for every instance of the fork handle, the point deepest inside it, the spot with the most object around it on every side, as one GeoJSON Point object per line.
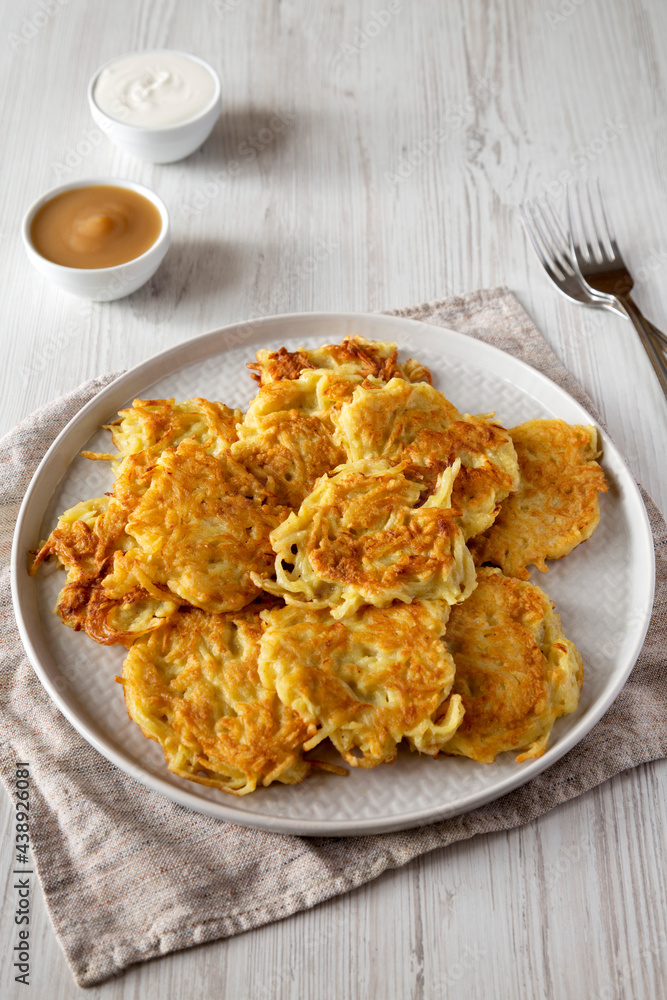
{"type": "Point", "coordinates": [658, 336]}
{"type": "Point", "coordinates": [643, 328]}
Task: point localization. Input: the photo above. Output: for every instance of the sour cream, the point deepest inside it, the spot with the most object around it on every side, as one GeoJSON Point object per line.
{"type": "Point", "coordinates": [154, 89]}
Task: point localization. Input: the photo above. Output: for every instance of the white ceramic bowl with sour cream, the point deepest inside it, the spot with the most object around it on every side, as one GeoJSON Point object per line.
{"type": "Point", "coordinates": [161, 143]}
{"type": "Point", "coordinates": [101, 284]}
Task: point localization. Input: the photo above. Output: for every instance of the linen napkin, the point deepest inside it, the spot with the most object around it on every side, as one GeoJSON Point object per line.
{"type": "Point", "coordinates": [128, 875]}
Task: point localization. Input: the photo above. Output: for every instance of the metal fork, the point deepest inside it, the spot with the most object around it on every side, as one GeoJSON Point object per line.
{"type": "Point", "coordinates": [551, 245]}
{"type": "Point", "coordinates": [603, 270]}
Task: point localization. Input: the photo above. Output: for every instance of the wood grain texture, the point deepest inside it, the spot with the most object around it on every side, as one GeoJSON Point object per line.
{"type": "Point", "coordinates": [404, 150]}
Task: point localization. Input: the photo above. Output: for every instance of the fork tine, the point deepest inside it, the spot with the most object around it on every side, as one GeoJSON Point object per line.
{"type": "Point", "coordinates": [539, 238]}
{"type": "Point", "coordinates": [611, 240]}
{"type": "Point", "coordinates": [558, 238]}
{"type": "Point", "coordinates": [540, 246]}
{"type": "Point", "coordinates": [575, 219]}
{"type": "Point", "coordinates": [532, 236]}
{"type": "Point", "coordinates": [585, 233]}
{"type": "Point", "coordinates": [574, 229]}
{"type": "Point", "coordinates": [610, 235]}
{"type": "Point", "coordinates": [559, 226]}
{"type": "Point", "coordinates": [598, 249]}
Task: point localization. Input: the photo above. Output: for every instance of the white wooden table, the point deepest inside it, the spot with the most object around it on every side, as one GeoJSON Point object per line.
{"type": "Point", "coordinates": [410, 131]}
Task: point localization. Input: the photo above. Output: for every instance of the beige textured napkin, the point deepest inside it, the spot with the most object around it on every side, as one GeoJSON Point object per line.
{"type": "Point", "coordinates": [128, 875]}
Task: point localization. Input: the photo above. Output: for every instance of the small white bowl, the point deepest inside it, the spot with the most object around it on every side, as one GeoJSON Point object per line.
{"type": "Point", "coordinates": [166, 144]}
{"type": "Point", "coordinates": [101, 284]}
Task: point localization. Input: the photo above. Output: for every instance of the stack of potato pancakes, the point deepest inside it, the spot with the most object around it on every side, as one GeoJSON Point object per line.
{"type": "Point", "coordinates": [345, 561]}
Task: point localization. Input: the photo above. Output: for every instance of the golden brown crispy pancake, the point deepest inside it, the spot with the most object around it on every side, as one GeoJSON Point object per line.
{"type": "Point", "coordinates": [193, 686]}
{"type": "Point", "coordinates": [556, 506]}
{"type": "Point", "coordinates": [416, 426]}
{"type": "Point", "coordinates": [188, 528]}
{"type": "Point", "coordinates": [355, 355]}
{"type": "Point", "coordinates": [201, 529]}
{"type": "Point", "coordinates": [155, 424]}
{"type": "Point", "coordinates": [359, 538]}
{"type": "Point", "coordinates": [110, 593]}
{"type": "Point", "coordinates": [86, 541]}
{"type": "Point", "coordinates": [286, 438]}
{"type": "Point", "coordinates": [386, 481]}
{"type": "Point", "coordinates": [515, 670]}
{"type": "Point", "coordinates": [365, 682]}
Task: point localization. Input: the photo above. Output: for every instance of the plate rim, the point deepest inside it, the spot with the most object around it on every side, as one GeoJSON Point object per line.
{"type": "Point", "coordinates": [190, 351]}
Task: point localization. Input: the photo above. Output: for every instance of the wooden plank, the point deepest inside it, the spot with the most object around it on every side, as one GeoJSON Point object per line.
{"type": "Point", "coordinates": [406, 148]}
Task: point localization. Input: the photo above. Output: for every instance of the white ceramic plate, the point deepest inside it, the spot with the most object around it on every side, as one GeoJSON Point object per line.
{"type": "Point", "coordinates": [603, 590]}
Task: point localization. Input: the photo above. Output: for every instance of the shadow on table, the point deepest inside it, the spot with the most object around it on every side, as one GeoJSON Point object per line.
{"type": "Point", "coordinates": [192, 269]}
{"type": "Point", "coordinates": [242, 135]}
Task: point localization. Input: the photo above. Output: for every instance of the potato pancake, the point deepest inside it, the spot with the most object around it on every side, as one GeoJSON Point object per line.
{"type": "Point", "coordinates": [193, 687]}
{"type": "Point", "coordinates": [354, 356]}
{"type": "Point", "coordinates": [155, 424]}
{"type": "Point", "coordinates": [359, 538]}
{"type": "Point", "coordinates": [86, 541]}
{"type": "Point", "coordinates": [367, 681]}
{"type": "Point", "coordinates": [556, 506]}
{"type": "Point", "coordinates": [416, 426]}
{"type": "Point", "coordinates": [286, 439]}
{"type": "Point", "coordinates": [201, 530]}
{"type": "Point", "coordinates": [515, 669]}
{"type": "Point", "coordinates": [348, 492]}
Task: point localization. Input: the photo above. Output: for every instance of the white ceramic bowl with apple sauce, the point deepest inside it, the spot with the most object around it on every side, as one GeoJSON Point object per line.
{"type": "Point", "coordinates": [130, 107]}
{"type": "Point", "coordinates": [101, 284]}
